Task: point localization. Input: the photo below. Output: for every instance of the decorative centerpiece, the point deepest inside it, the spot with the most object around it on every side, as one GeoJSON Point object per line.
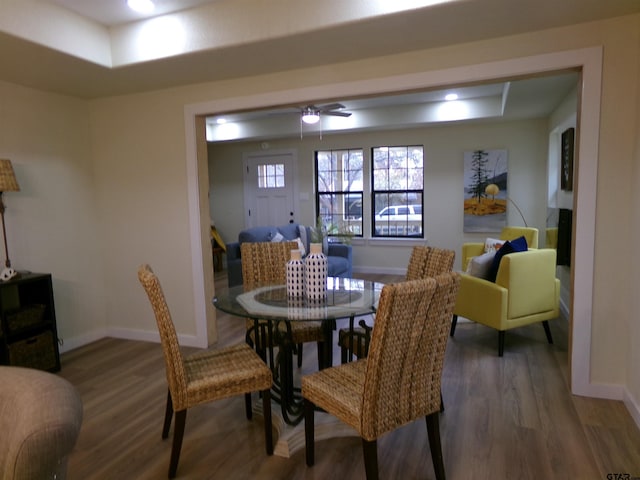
{"type": "Point", "coordinates": [295, 275]}
{"type": "Point", "coordinates": [315, 274]}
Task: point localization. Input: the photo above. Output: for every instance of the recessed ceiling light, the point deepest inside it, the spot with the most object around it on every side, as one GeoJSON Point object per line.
{"type": "Point", "coordinates": [221, 121]}
{"type": "Point", "coordinates": [451, 96]}
{"type": "Point", "coordinates": [141, 6]}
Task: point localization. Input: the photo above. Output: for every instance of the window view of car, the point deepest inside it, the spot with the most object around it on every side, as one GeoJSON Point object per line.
{"type": "Point", "coordinates": [400, 220]}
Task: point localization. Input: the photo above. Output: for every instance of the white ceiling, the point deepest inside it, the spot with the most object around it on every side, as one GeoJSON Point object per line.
{"type": "Point", "coordinates": [325, 32]}
{"type": "Point", "coordinates": [256, 37]}
{"type": "Point", "coordinates": [516, 99]}
{"type": "Point", "coordinates": [116, 12]}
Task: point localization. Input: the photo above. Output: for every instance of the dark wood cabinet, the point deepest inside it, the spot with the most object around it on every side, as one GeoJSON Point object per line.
{"type": "Point", "coordinates": [28, 332]}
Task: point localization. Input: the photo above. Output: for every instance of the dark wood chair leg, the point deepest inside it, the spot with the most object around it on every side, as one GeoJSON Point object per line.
{"type": "Point", "coordinates": [547, 330]}
{"type": "Point", "coordinates": [247, 405]}
{"type": "Point", "coordinates": [168, 415]}
{"type": "Point", "coordinates": [178, 433]}
{"type": "Point", "coordinates": [268, 426]}
{"type": "Point", "coordinates": [454, 322]}
{"type": "Point", "coordinates": [322, 356]}
{"type": "Point", "coordinates": [299, 355]}
{"type": "Point", "coordinates": [309, 435]}
{"type": "Point", "coordinates": [500, 343]}
{"type": "Point", "coordinates": [441, 403]}
{"type": "Point", "coordinates": [433, 431]}
{"type": "Point", "coordinates": [370, 450]}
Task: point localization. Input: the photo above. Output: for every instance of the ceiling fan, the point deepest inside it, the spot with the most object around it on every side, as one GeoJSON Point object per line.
{"type": "Point", "coordinates": [311, 113]}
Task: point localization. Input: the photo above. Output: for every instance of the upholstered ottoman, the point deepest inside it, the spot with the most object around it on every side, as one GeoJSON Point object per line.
{"type": "Point", "coordinates": [40, 418]}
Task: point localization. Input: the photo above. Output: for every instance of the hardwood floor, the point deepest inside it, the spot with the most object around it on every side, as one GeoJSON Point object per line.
{"type": "Point", "coordinates": [505, 418]}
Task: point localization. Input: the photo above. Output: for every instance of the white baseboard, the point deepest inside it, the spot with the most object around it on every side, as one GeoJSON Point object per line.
{"type": "Point", "coordinates": [601, 390]}
{"type": "Point", "coordinates": [151, 336]}
{"type": "Point", "coordinates": [633, 406]}
{"type": "Point", "coordinates": [125, 334]}
{"type": "Point", "coordinates": [76, 342]}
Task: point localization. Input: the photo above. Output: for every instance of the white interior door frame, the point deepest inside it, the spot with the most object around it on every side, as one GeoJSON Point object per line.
{"type": "Point", "coordinates": [587, 59]}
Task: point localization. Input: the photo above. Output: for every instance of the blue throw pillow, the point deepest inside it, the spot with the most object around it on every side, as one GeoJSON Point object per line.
{"type": "Point", "coordinates": [519, 244]}
{"type": "Point", "coordinates": [510, 246]}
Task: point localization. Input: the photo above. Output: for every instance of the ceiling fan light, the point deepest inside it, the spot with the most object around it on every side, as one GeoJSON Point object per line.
{"type": "Point", "coordinates": [310, 116]}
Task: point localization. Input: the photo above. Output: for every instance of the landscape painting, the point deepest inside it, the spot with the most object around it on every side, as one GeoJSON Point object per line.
{"type": "Point", "coordinates": [485, 190]}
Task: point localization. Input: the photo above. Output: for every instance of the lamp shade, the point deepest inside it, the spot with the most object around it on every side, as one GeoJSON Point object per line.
{"type": "Point", "coordinates": [8, 182]}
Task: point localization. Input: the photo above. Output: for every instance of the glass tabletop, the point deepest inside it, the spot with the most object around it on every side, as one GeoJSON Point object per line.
{"type": "Point", "coordinates": [345, 297]}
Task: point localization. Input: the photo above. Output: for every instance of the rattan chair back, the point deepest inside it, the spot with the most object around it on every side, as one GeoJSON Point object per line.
{"type": "Point", "coordinates": [429, 262]}
{"type": "Point", "coordinates": [417, 262]}
{"type": "Point", "coordinates": [174, 361]}
{"type": "Point", "coordinates": [406, 355]}
{"type": "Point", "coordinates": [439, 261]}
{"type": "Point", "coordinates": [265, 263]}
{"type": "Point", "coordinates": [424, 262]}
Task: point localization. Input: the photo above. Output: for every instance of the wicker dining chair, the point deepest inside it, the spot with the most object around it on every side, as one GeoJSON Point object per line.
{"type": "Point", "coordinates": [400, 380]}
{"type": "Point", "coordinates": [424, 262]}
{"type": "Point", "coordinates": [265, 263]}
{"type": "Point", "coordinates": [204, 376]}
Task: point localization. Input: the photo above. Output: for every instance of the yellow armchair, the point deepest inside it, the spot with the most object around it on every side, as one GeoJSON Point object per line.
{"type": "Point", "coordinates": [470, 250]}
{"type": "Point", "coordinates": [526, 291]}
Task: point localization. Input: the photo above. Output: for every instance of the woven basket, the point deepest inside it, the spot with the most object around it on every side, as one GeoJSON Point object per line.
{"type": "Point", "coordinates": [25, 317]}
{"type": "Point", "coordinates": [35, 352]}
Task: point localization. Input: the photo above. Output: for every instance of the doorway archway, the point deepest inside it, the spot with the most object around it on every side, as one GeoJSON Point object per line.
{"type": "Point", "coordinates": [589, 60]}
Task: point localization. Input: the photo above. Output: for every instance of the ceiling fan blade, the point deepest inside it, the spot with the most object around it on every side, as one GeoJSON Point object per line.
{"type": "Point", "coordinates": [329, 106]}
{"type": "Point", "coordinates": [337, 114]}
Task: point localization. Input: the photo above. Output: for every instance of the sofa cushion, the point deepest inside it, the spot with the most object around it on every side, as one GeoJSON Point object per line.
{"type": "Point", "coordinates": [257, 234]}
{"type": "Point", "coordinates": [289, 231]}
{"type": "Point", "coordinates": [337, 266]}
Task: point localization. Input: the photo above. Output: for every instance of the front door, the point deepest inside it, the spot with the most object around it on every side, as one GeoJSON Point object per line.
{"type": "Point", "coordinates": [268, 188]}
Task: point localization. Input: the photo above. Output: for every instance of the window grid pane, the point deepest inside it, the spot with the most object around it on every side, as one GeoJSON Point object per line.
{"type": "Point", "coordinates": [339, 178]}
{"type": "Point", "coordinates": [397, 197]}
{"type": "Point", "coordinates": [271, 176]}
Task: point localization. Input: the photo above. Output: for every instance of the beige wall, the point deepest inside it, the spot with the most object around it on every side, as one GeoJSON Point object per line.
{"type": "Point", "coordinates": [618, 132]}
{"type": "Point", "coordinates": [94, 209]}
{"type": "Point", "coordinates": [632, 317]}
{"type": "Point", "coordinates": [138, 146]}
{"type": "Point", "coordinates": [444, 147]}
{"type": "Point", "coordinates": [52, 223]}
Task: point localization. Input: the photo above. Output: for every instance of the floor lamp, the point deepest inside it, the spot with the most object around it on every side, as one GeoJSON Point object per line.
{"type": "Point", "coordinates": [8, 183]}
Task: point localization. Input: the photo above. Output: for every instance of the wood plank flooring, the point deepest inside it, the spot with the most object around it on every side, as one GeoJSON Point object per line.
{"type": "Point", "coordinates": [505, 418]}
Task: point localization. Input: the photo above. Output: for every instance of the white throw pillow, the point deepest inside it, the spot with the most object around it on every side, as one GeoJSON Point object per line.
{"type": "Point", "coordinates": [493, 245]}
{"type": "Point", "coordinates": [278, 237]}
{"type": "Point", "coordinates": [479, 266]}
{"type": "Point", "coordinates": [301, 247]}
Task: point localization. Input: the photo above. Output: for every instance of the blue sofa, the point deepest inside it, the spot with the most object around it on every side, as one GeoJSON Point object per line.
{"type": "Point", "coordinates": [339, 255]}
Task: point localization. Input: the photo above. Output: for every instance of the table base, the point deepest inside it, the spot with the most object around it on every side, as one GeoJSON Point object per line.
{"type": "Point", "coordinates": [291, 438]}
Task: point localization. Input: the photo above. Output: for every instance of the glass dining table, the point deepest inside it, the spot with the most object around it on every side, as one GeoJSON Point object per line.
{"type": "Point", "coordinates": [273, 312]}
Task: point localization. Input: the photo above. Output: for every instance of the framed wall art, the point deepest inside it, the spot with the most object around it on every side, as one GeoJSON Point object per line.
{"type": "Point", "coordinates": [485, 190]}
{"type": "Point", "coordinates": [566, 159]}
